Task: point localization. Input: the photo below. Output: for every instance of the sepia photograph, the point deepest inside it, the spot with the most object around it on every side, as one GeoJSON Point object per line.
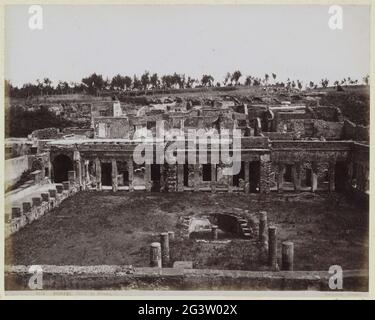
{"type": "Point", "coordinates": [186, 148]}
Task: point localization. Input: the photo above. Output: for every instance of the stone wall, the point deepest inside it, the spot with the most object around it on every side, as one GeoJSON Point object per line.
{"type": "Point", "coordinates": [88, 133]}
{"type": "Point", "coordinates": [111, 128]}
{"type": "Point", "coordinates": [329, 130]}
{"type": "Point", "coordinates": [109, 277]}
{"type": "Point", "coordinates": [47, 133]}
{"type": "Point", "coordinates": [314, 128]}
{"type": "Point", "coordinates": [352, 131]}
{"type": "Point", "coordinates": [14, 168]}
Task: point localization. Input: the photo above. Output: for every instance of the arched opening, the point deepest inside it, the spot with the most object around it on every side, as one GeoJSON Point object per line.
{"type": "Point", "coordinates": [61, 165]}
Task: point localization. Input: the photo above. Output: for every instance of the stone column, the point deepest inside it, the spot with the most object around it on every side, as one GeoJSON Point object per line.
{"type": "Point", "coordinates": [296, 175]}
{"type": "Point", "coordinates": [331, 177]}
{"type": "Point", "coordinates": [87, 172]}
{"type": "Point", "coordinates": [287, 256]}
{"type": "Point", "coordinates": [148, 181]}
{"type": "Point", "coordinates": [78, 167]}
{"type": "Point", "coordinates": [79, 172]}
{"type": "Point", "coordinates": [171, 235]}
{"type": "Point", "coordinates": [37, 201]}
{"type": "Point", "coordinates": [280, 177]}
{"type": "Point", "coordinates": [265, 169]}
{"type": "Point", "coordinates": [114, 175]}
{"type": "Point", "coordinates": [52, 193]}
{"type": "Point", "coordinates": [263, 227]}
{"type": "Point", "coordinates": [45, 196]}
{"type": "Point", "coordinates": [26, 207]}
{"type": "Point", "coordinates": [83, 174]}
{"type": "Point", "coordinates": [162, 182]}
{"type": "Point", "coordinates": [131, 174]}
{"type": "Point", "coordinates": [171, 178]}
{"type": "Point", "coordinates": [213, 178]}
{"type": "Point", "coordinates": [155, 255]}
{"type": "Point", "coordinates": [247, 177]}
{"type": "Point", "coordinates": [314, 176]}
{"type": "Point", "coordinates": [230, 183]}
{"type": "Point", "coordinates": [16, 212]}
{"type": "Point", "coordinates": [72, 177]}
{"type": "Point", "coordinates": [164, 241]}
{"type": "Point", "coordinates": [180, 177]}
{"type": "Point", "coordinates": [214, 232]}
{"type": "Point", "coordinates": [49, 170]}
{"type": "Point", "coordinates": [196, 177]}
{"type": "Point", "coordinates": [272, 247]}
{"type": "Point", "coordinates": [350, 174]}
{"type": "Point", "coordinates": [98, 173]}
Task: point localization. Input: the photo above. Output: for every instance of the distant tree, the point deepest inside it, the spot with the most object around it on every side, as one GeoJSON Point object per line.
{"type": "Point", "coordinates": [60, 87]}
{"type": "Point", "coordinates": [145, 79]}
{"type": "Point", "coordinates": [366, 80]}
{"type": "Point", "coordinates": [236, 75]}
{"type": "Point", "coordinates": [154, 81]}
{"type": "Point", "coordinates": [137, 84]}
{"type": "Point", "coordinates": [65, 87]}
{"type": "Point", "coordinates": [324, 83]}
{"type": "Point", "coordinates": [299, 84]}
{"type": "Point", "coordinates": [274, 76]}
{"type": "Point", "coordinates": [118, 82]}
{"type": "Point", "coordinates": [266, 77]}
{"type": "Point", "coordinates": [178, 80]}
{"type": "Point", "coordinates": [190, 82]}
{"type": "Point", "coordinates": [47, 85]}
{"type": "Point", "coordinates": [288, 83]}
{"type": "Point", "coordinates": [94, 83]}
{"type": "Point", "coordinates": [128, 82]}
{"type": "Point", "coordinates": [256, 82]}
{"type": "Point", "coordinates": [207, 80]}
{"type": "Point", "coordinates": [227, 78]}
{"type": "Point", "coordinates": [248, 80]}
{"type": "Point", "coordinates": [166, 81]}
{"type": "Point", "coordinates": [311, 84]}
{"type": "Point", "coordinates": [40, 86]}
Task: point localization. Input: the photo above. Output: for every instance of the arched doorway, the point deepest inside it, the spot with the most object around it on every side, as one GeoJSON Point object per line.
{"type": "Point", "coordinates": [61, 165]}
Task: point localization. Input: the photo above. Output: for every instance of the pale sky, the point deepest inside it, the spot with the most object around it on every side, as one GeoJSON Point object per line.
{"type": "Point", "coordinates": [292, 41]}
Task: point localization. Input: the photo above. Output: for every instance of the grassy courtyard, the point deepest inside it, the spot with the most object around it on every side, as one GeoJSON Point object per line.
{"type": "Point", "coordinates": [93, 228]}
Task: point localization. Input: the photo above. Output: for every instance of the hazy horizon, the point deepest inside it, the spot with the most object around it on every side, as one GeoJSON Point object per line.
{"type": "Point", "coordinates": [292, 41]}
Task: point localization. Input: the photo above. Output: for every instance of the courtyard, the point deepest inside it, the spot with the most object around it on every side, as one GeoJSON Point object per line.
{"type": "Point", "coordinates": [106, 228]}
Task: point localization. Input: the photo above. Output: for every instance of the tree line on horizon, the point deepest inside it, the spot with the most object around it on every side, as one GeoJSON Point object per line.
{"type": "Point", "coordinates": [95, 83]}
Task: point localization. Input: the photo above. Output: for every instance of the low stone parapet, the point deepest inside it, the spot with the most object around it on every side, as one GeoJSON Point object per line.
{"type": "Point", "coordinates": [32, 210]}
{"type": "Point", "coordinates": [112, 277]}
